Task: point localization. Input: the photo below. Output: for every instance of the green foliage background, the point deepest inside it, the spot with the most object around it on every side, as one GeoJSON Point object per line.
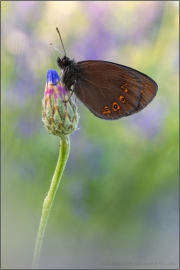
{"type": "Point", "coordinates": [117, 205]}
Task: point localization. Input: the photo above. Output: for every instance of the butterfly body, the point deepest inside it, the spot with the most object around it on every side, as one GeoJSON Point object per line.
{"type": "Point", "coordinates": [109, 90]}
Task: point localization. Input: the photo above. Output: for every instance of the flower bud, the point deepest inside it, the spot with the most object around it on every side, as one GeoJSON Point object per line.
{"type": "Point", "coordinates": [59, 112]}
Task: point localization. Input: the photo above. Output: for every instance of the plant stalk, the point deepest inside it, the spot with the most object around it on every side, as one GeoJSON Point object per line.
{"type": "Point", "coordinates": [61, 163]}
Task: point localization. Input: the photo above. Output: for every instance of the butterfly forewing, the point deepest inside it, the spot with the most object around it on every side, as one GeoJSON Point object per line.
{"type": "Point", "coordinates": [112, 91]}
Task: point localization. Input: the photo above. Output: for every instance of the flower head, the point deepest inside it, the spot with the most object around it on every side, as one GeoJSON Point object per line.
{"type": "Point", "coordinates": [59, 112]}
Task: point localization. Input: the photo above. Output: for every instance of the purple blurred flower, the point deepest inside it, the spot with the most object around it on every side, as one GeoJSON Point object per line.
{"type": "Point", "coordinates": [151, 120]}
{"type": "Point", "coordinates": [98, 40]}
{"type": "Point", "coordinates": [26, 127]}
{"type": "Point", "coordinates": [27, 10]}
{"type": "Point", "coordinates": [150, 13]}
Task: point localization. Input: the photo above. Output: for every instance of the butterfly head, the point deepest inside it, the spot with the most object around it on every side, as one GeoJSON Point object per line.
{"type": "Point", "coordinates": [64, 62]}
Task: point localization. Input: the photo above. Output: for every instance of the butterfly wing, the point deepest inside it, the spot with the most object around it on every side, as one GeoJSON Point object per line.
{"type": "Point", "coordinates": [112, 91]}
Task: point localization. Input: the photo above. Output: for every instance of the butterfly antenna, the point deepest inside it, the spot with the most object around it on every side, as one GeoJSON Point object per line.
{"type": "Point", "coordinates": [55, 48]}
{"type": "Point", "coordinates": [61, 39]}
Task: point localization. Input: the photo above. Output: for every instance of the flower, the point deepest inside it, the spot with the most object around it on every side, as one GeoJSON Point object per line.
{"type": "Point", "coordinates": [59, 112]}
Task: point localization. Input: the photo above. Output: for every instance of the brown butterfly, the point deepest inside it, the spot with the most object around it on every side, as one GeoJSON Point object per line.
{"type": "Point", "coordinates": [109, 90]}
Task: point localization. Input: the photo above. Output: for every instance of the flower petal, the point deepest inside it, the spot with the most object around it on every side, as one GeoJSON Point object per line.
{"type": "Point", "coordinates": [52, 76]}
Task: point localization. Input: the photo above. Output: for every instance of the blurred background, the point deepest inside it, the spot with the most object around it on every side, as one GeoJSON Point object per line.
{"type": "Point", "coordinates": [117, 204]}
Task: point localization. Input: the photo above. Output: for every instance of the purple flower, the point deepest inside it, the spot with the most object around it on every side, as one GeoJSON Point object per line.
{"type": "Point", "coordinates": [151, 121]}
{"type": "Point", "coordinates": [53, 86]}
{"type": "Point", "coordinates": [59, 111]}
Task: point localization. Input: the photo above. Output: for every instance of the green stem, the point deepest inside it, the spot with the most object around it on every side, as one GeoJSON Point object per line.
{"type": "Point", "coordinates": [61, 163]}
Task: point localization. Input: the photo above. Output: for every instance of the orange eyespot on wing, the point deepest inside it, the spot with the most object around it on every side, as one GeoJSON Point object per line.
{"type": "Point", "coordinates": [115, 106]}
{"type": "Point", "coordinates": [122, 99]}
{"type": "Point", "coordinates": [106, 110]}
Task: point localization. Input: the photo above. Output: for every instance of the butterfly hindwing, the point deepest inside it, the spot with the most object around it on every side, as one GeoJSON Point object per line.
{"type": "Point", "coordinates": [112, 91]}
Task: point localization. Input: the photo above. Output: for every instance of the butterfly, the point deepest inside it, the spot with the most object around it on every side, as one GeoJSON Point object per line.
{"type": "Point", "coordinates": [109, 90]}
